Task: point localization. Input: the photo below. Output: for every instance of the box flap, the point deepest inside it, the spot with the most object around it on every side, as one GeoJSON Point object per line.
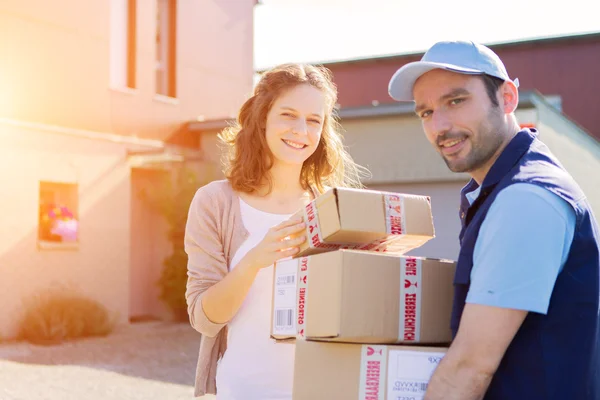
{"type": "Point", "coordinates": [323, 295]}
{"type": "Point", "coordinates": [419, 219]}
{"type": "Point", "coordinates": [368, 276]}
{"type": "Point", "coordinates": [322, 371]}
{"type": "Point", "coordinates": [361, 215]}
{"type": "Point", "coordinates": [437, 300]}
{"type": "Point", "coordinates": [327, 212]}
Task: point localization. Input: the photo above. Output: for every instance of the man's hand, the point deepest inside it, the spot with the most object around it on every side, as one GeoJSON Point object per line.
{"type": "Point", "coordinates": [467, 369]}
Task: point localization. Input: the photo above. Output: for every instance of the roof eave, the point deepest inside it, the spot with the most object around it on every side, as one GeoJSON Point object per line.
{"type": "Point", "coordinates": [407, 108]}
{"type": "Point", "coordinates": [494, 45]}
{"type": "Point", "coordinates": [210, 124]}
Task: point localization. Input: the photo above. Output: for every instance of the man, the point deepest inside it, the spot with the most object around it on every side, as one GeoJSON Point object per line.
{"type": "Point", "coordinates": [525, 315]}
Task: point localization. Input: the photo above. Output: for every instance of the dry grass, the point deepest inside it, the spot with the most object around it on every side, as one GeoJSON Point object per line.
{"type": "Point", "coordinates": [61, 314]}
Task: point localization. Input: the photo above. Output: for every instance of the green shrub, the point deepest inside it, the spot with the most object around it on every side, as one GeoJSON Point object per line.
{"type": "Point", "coordinates": [171, 199]}
{"type": "Point", "coordinates": [60, 314]}
{"type": "Point", "coordinates": [172, 284]}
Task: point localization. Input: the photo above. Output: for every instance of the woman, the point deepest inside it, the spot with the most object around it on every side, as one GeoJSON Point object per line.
{"type": "Point", "coordinates": [285, 150]}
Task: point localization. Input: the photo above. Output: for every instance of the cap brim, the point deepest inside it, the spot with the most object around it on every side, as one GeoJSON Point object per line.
{"type": "Point", "coordinates": [401, 85]}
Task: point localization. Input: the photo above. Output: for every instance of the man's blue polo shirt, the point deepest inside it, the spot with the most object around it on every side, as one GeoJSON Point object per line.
{"type": "Point", "coordinates": [522, 246]}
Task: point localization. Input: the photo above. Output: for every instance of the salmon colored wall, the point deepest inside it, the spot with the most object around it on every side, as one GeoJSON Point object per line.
{"type": "Point", "coordinates": [56, 62]}
{"type": "Point", "coordinates": [149, 248]}
{"type": "Point", "coordinates": [99, 267]}
{"type": "Point", "coordinates": [54, 79]}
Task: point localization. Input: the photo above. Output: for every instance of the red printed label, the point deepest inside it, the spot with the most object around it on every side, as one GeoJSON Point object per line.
{"type": "Point", "coordinates": [394, 214]}
{"type": "Point", "coordinates": [302, 289]}
{"type": "Point", "coordinates": [373, 366]}
{"type": "Point", "coordinates": [410, 300]}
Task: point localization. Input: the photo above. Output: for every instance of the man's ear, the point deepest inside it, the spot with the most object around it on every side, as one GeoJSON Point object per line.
{"type": "Point", "coordinates": [509, 97]}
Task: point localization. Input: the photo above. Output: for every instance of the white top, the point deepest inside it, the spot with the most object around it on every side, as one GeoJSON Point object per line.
{"type": "Point", "coordinates": [254, 367]}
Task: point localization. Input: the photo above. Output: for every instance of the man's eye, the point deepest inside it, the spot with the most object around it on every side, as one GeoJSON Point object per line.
{"type": "Point", "coordinates": [425, 114]}
{"type": "Point", "coordinates": [456, 101]}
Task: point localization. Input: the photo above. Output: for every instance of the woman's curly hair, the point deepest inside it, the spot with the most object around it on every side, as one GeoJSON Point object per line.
{"type": "Point", "coordinates": [247, 157]}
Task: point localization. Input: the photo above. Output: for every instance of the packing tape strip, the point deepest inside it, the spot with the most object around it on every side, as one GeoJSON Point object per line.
{"type": "Point", "coordinates": [409, 329]}
{"type": "Point", "coordinates": [313, 229]}
{"type": "Point", "coordinates": [301, 298]}
{"type": "Point", "coordinates": [373, 372]}
{"type": "Point", "coordinates": [395, 218]}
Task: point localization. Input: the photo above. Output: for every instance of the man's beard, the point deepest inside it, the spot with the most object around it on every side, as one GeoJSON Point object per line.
{"type": "Point", "coordinates": [484, 144]}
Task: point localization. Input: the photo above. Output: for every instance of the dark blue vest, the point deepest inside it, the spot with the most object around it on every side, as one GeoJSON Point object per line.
{"type": "Point", "coordinates": [553, 356]}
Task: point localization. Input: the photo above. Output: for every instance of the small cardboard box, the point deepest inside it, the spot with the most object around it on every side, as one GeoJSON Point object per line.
{"type": "Point", "coordinates": [327, 371]}
{"type": "Point", "coordinates": [361, 297]}
{"type": "Point", "coordinates": [368, 220]}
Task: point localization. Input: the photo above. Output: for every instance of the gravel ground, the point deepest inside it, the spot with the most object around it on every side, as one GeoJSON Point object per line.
{"type": "Point", "coordinates": [147, 361]}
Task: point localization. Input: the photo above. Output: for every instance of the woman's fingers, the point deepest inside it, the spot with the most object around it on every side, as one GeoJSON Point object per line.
{"type": "Point", "coordinates": [290, 230]}
{"type": "Point", "coordinates": [287, 223]}
{"type": "Point", "coordinates": [290, 242]}
{"type": "Point", "coordinates": [288, 252]}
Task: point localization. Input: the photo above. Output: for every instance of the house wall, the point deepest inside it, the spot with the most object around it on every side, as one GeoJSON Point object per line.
{"type": "Point", "coordinates": [565, 66]}
{"type": "Point", "coordinates": [64, 119]}
{"type": "Point", "coordinates": [575, 149]}
{"type": "Point", "coordinates": [98, 266]}
{"type": "Point", "coordinates": [57, 60]}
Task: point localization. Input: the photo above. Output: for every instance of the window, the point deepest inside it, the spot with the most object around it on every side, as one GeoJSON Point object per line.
{"type": "Point", "coordinates": [58, 219]}
{"type": "Point", "coordinates": [166, 23]}
{"type": "Point", "coordinates": [123, 43]}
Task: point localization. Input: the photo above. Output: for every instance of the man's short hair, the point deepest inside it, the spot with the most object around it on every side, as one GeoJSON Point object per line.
{"type": "Point", "coordinates": [492, 84]}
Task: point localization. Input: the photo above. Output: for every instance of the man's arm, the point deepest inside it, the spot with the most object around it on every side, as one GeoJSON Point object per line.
{"type": "Point", "coordinates": [467, 368]}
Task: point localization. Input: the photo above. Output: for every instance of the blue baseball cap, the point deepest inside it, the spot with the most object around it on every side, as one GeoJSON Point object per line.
{"type": "Point", "coordinates": [456, 56]}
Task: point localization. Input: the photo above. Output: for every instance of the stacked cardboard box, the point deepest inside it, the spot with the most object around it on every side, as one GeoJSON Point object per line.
{"type": "Point", "coordinates": [368, 321]}
{"type": "Point", "coordinates": [366, 220]}
{"type": "Point", "coordinates": [362, 371]}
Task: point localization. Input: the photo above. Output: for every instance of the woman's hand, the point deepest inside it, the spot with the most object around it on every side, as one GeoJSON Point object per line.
{"type": "Point", "coordinates": [281, 241]}
{"type": "Point", "coordinates": [222, 300]}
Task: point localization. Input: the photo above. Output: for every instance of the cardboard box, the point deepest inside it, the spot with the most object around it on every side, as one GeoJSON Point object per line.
{"type": "Point", "coordinates": [327, 371]}
{"type": "Point", "coordinates": [366, 220]}
{"type": "Point", "coordinates": [361, 297]}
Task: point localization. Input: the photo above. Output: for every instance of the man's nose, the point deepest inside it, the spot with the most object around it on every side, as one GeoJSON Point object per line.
{"type": "Point", "coordinates": [440, 123]}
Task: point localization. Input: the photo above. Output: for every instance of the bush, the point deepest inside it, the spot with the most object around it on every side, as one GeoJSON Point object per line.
{"type": "Point", "coordinates": [61, 314]}
{"type": "Point", "coordinates": [173, 282]}
{"type": "Point", "coordinates": [172, 199]}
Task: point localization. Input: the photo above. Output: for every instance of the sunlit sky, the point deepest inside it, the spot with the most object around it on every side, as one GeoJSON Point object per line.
{"type": "Point", "coordinates": [326, 30]}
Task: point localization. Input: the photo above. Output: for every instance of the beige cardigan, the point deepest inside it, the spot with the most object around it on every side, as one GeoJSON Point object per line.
{"type": "Point", "coordinates": [213, 233]}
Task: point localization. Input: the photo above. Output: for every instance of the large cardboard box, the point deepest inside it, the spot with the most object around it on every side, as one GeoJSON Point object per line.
{"type": "Point", "coordinates": [361, 297]}
{"type": "Point", "coordinates": [328, 371]}
{"type": "Point", "coordinates": [368, 220]}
